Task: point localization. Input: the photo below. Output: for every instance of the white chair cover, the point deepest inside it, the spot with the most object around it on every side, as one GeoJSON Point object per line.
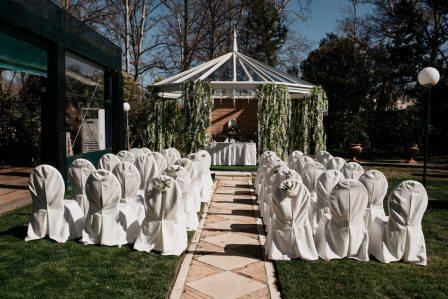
{"type": "Point", "coordinates": [162, 164]}
{"type": "Point", "coordinates": [342, 232]}
{"type": "Point", "coordinates": [206, 157]}
{"type": "Point", "coordinates": [302, 162]}
{"type": "Point", "coordinates": [352, 170]}
{"type": "Point", "coordinates": [376, 185]}
{"type": "Point", "coordinates": [325, 184]}
{"type": "Point", "coordinates": [137, 152]}
{"type": "Point", "coordinates": [126, 156]}
{"type": "Point", "coordinates": [293, 157]}
{"type": "Point", "coordinates": [170, 156]}
{"type": "Point", "coordinates": [291, 235]}
{"type": "Point", "coordinates": [310, 174]}
{"type": "Point", "coordinates": [401, 236]}
{"type": "Point", "coordinates": [103, 222]}
{"type": "Point", "coordinates": [132, 206]}
{"type": "Point", "coordinates": [267, 158]}
{"type": "Point", "coordinates": [335, 163]}
{"type": "Point", "coordinates": [146, 150]}
{"type": "Point", "coordinates": [206, 182]}
{"type": "Point", "coordinates": [79, 171]}
{"type": "Point", "coordinates": [323, 158]}
{"type": "Point", "coordinates": [182, 177]}
{"type": "Point", "coordinates": [195, 181]}
{"type": "Point", "coordinates": [52, 215]}
{"type": "Point", "coordinates": [321, 153]}
{"type": "Point", "coordinates": [147, 167]}
{"type": "Point", "coordinates": [108, 162]}
{"type": "Point", "coordinates": [164, 226]}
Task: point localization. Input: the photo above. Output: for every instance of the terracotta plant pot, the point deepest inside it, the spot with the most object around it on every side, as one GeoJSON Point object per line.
{"type": "Point", "coordinates": [354, 149]}
{"type": "Point", "coordinates": [412, 152]}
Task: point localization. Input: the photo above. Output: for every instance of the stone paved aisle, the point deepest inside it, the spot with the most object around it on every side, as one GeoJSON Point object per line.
{"type": "Point", "coordinates": [228, 260]}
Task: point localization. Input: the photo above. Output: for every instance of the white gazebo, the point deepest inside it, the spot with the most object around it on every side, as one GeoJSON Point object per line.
{"type": "Point", "coordinates": [234, 75]}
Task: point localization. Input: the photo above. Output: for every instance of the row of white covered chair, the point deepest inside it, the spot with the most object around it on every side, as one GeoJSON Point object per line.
{"type": "Point", "coordinates": [332, 214]}
{"type": "Point", "coordinates": [110, 207]}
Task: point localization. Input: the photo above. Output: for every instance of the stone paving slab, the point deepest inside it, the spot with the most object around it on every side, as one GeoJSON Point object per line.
{"type": "Point", "coordinates": [228, 261]}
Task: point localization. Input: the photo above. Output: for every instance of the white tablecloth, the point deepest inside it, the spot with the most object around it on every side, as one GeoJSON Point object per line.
{"type": "Point", "coordinates": [233, 153]}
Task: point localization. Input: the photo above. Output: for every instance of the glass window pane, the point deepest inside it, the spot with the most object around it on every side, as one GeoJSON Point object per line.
{"type": "Point", "coordinates": [85, 111]}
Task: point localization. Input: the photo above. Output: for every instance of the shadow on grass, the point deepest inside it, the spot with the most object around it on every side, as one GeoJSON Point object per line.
{"type": "Point", "coordinates": [18, 232]}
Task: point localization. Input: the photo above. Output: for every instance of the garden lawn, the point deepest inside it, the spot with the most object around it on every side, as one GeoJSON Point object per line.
{"type": "Point", "coordinates": [249, 168]}
{"type": "Point", "coordinates": [351, 278]}
{"type": "Point", "coordinates": [44, 268]}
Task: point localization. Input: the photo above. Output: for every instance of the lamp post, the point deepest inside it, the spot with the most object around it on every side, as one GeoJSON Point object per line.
{"type": "Point", "coordinates": [126, 108]}
{"type": "Point", "coordinates": [427, 77]}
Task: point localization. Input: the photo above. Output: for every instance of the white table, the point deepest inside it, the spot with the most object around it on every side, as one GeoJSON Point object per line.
{"type": "Point", "coordinates": [233, 153]}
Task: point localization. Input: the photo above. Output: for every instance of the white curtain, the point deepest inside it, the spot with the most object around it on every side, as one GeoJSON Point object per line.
{"type": "Point", "coordinates": [342, 233]}
{"type": "Point", "coordinates": [164, 226]}
{"type": "Point", "coordinates": [401, 236]}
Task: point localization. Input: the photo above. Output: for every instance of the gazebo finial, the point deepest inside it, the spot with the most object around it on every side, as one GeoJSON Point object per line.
{"type": "Point", "coordinates": [235, 46]}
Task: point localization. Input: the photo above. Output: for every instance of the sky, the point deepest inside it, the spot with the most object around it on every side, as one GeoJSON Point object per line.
{"type": "Point", "coordinates": [323, 19]}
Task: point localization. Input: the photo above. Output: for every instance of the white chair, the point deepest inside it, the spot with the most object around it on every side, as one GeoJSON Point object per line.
{"type": "Point", "coordinates": [170, 156]}
{"type": "Point", "coordinates": [164, 226]}
{"type": "Point", "coordinates": [206, 157]}
{"type": "Point", "coordinates": [266, 159]}
{"type": "Point", "coordinates": [108, 162]}
{"type": "Point", "coordinates": [342, 232]}
{"type": "Point", "coordinates": [103, 222]}
{"type": "Point", "coordinates": [137, 152]}
{"type": "Point", "coordinates": [146, 151]}
{"type": "Point", "coordinates": [376, 185]}
{"type": "Point", "coordinates": [302, 162]}
{"type": "Point", "coordinates": [132, 202]}
{"type": "Point", "coordinates": [176, 152]}
{"type": "Point", "coordinates": [204, 177]}
{"type": "Point", "coordinates": [323, 158]}
{"type": "Point", "coordinates": [162, 164]}
{"type": "Point", "coordinates": [182, 177]}
{"type": "Point", "coordinates": [195, 181]}
{"type": "Point", "coordinates": [335, 163]}
{"type": "Point", "coordinates": [126, 156]}
{"type": "Point", "coordinates": [325, 184]}
{"type": "Point", "coordinates": [78, 172]}
{"type": "Point", "coordinates": [291, 235]}
{"type": "Point", "coordinates": [310, 174]}
{"type": "Point", "coordinates": [293, 157]}
{"type": "Point", "coordinates": [352, 170]}
{"type": "Point", "coordinates": [401, 238]}
{"type": "Point", "coordinates": [52, 215]}
{"type": "Point", "coordinates": [147, 167]}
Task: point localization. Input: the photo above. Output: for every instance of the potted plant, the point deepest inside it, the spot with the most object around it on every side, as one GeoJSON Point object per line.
{"type": "Point", "coordinates": [412, 151]}
{"type": "Point", "coordinates": [354, 137]}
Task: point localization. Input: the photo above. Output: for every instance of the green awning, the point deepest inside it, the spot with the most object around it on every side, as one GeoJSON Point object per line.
{"type": "Point", "coordinates": [17, 55]}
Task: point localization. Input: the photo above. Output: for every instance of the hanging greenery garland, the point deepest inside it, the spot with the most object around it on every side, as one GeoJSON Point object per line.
{"type": "Point", "coordinates": [198, 104]}
{"type": "Point", "coordinates": [274, 111]}
{"type": "Point", "coordinates": [298, 134]}
{"type": "Point", "coordinates": [161, 122]}
{"type": "Point", "coordinates": [307, 132]}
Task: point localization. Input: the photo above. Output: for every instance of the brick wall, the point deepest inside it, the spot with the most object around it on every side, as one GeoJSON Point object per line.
{"type": "Point", "coordinates": [243, 111]}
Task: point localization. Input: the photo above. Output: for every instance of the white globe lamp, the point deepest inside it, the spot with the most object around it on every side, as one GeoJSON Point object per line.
{"type": "Point", "coordinates": [126, 107]}
{"type": "Point", "coordinates": [428, 76]}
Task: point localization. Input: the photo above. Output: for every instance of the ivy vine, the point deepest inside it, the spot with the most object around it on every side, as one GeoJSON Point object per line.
{"type": "Point", "coordinates": [274, 112]}
{"type": "Point", "coordinates": [198, 104]}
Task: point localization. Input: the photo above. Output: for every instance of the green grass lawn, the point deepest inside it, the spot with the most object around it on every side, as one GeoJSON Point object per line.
{"type": "Point", "coordinates": [350, 278]}
{"type": "Point", "coordinates": [249, 168]}
{"type": "Point", "coordinates": [44, 268]}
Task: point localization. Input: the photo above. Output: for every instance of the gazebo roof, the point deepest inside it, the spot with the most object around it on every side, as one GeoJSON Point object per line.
{"type": "Point", "coordinates": [234, 75]}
